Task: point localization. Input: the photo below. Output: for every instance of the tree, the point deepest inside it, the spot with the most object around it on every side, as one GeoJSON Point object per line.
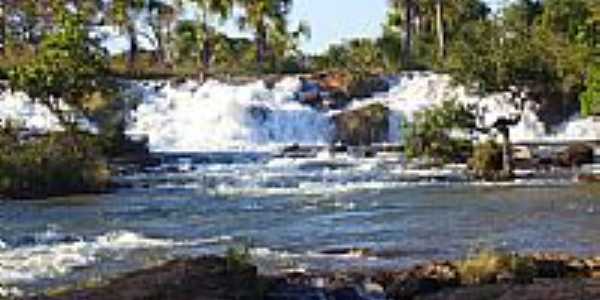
{"type": "Point", "coordinates": [430, 133]}
{"type": "Point", "coordinates": [125, 15]}
{"type": "Point", "coordinates": [207, 33]}
{"type": "Point", "coordinates": [263, 16]}
{"type": "Point", "coordinates": [408, 7]}
{"type": "Point", "coordinates": [68, 70]}
{"type": "Point", "coordinates": [590, 99]}
{"type": "Point", "coordinates": [3, 31]}
{"type": "Point", "coordinates": [439, 8]}
{"type": "Point", "coordinates": [161, 16]}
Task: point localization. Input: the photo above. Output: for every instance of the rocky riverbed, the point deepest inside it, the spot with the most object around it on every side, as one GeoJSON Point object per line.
{"type": "Point", "coordinates": [484, 276]}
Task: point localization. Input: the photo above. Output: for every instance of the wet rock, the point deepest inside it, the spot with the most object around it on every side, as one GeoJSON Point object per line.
{"type": "Point", "coordinates": [346, 251]}
{"type": "Point", "coordinates": [296, 293]}
{"type": "Point", "coordinates": [259, 113]}
{"type": "Point", "coordinates": [363, 126]}
{"type": "Point", "coordinates": [346, 293]}
{"type": "Point", "coordinates": [206, 278]}
{"type": "Point", "coordinates": [411, 287]}
{"type": "Point", "coordinates": [576, 155]}
{"type": "Point", "coordinates": [336, 89]}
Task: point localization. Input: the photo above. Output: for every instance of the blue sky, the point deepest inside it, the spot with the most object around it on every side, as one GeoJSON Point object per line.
{"type": "Point", "coordinates": [332, 21]}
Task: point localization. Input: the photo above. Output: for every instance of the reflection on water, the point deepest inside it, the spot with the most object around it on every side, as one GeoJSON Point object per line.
{"type": "Point", "coordinates": [43, 243]}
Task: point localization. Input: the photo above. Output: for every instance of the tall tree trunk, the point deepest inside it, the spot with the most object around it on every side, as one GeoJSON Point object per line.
{"type": "Point", "coordinates": [168, 46]}
{"type": "Point", "coordinates": [408, 7]}
{"type": "Point", "coordinates": [160, 42]}
{"type": "Point", "coordinates": [507, 165]}
{"type": "Point", "coordinates": [3, 27]}
{"type": "Point", "coordinates": [261, 39]}
{"type": "Point", "coordinates": [133, 45]}
{"type": "Point", "coordinates": [439, 12]}
{"type": "Point", "coordinates": [206, 46]}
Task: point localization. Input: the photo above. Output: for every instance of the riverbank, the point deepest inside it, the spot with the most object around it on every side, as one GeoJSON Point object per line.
{"type": "Point", "coordinates": [485, 276]}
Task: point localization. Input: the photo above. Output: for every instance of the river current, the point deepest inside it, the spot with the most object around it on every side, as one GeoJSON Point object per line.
{"type": "Point", "coordinates": [300, 214]}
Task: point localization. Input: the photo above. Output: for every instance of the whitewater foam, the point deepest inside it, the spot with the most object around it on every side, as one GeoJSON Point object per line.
{"type": "Point", "coordinates": [415, 91]}
{"type": "Point", "coordinates": [216, 116]}
{"type": "Point", "coordinates": [17, 107]}
{"type": "Point", "coordinates": [48, 261]}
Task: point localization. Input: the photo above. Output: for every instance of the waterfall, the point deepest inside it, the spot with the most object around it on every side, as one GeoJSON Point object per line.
{"type": "Point", "coordinates": [216, 116]}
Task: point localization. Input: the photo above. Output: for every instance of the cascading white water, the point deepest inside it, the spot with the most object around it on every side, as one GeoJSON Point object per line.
{"type": "Point", "coordinates": [216, 116]}
{"type": "Point", "coordinates": [415, 91]}
{"type": "Point", "coordinates": [17, 107]}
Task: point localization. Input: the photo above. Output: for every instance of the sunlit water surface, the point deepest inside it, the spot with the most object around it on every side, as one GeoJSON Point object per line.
{"type": "Point", "coordinates": [289, 212]}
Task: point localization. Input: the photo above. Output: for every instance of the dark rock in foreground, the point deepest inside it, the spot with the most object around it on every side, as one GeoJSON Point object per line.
{"type": "Point", "coordinates": [206, 278]}
{"type": "Point", "coordinates": [491, 276]}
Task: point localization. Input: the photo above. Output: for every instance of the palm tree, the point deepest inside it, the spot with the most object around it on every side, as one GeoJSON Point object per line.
{"type": "Point", "coordinates": [403, 10]}
{"type": "Point", "coordinates": [124, 14]}
{"type": "Point", "coordinates": [439, 9]}
{"type": "Point", "coordinates": [263, 16]}
{"type": "Point", "coordinates": [206, 34]}
{"type": "Point", "coordinates": [3, 18]}
{"type": "Point", "coordinates": [161, 17]}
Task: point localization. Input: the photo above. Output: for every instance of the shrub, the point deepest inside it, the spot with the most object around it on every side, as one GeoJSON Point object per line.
{"type": "Point", "coordinates": [487, 267]}
{"type": "Point", "coordinates": [52, 165]}
{"type": "Point", "coordinates": [237, 258]}
{"type": "Point", "coordinates": [430, 134]}
{"type": "Point", "coordinates": [590, 99]}
{"type": "Point", "coordinates": [486, 162]}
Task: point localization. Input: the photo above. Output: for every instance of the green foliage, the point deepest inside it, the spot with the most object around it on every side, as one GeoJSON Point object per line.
{"type": "Point", "coordinates": [52, 165]}
{"type": "Point", "coordinates": [487, 266]}
{"type": "Point", "coordinates": [486, 162]}
{"type": "Point", "coordinates": [430, 133]}
{"type": "Point", "coordinates": [360, 58]}
{"type": "Point", "coordinates": [541, 47]}
{"type": "Point", "coordinates": [590, 99]}
{"type": "Point", "coordinates": [238, 258]}
{"type": "Point", "coordinates": [69, 65]}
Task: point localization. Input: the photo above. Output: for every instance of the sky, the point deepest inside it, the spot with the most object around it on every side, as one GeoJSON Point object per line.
{"type": "Point", "coordinates": [331, 21]}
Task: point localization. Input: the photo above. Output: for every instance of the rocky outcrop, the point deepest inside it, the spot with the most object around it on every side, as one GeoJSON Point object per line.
{"type": "Point", "coordinates": [576, 155]}
{"type": "Point", "coordinates": [363, 126]}
{"type": "Point", "coordinates": [217, 278]}
{"type": "Point", "coordinates": [206, 278]}
{"type": "Point", "coordinates": [334, 90]}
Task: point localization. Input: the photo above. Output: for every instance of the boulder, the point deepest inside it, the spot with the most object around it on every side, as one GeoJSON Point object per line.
{"type": "Point", "coordinates": [336, 89]}
{"type": "Point", "coordinates": [363, 126]}
{"type": "Point", "coordinates": [576, 155]}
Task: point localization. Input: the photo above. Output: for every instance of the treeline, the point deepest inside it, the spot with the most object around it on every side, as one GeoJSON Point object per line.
{"type": "Point", "coordinates": [186, 36]}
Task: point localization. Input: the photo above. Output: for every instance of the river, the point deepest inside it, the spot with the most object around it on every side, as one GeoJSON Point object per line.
{"type": "Point", "coordinates": [291, 214]}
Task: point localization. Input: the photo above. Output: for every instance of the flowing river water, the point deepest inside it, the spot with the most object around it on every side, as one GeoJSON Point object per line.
{"type": "Point", "coordinates": [292, 214]}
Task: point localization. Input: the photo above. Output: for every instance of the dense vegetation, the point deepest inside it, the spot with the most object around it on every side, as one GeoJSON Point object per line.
{"type": "Point", "coordinates": [440, 134]}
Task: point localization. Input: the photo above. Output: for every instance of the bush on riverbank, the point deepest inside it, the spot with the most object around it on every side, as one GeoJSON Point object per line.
{"type": "Point", "coordinates": [435, 133]}
{"type": "Point", "coordinates": [489, 267]}
{"type": "Point", "coordinates": [486, 162]}
{"type": "Point", "coordinates": [51, 165]}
